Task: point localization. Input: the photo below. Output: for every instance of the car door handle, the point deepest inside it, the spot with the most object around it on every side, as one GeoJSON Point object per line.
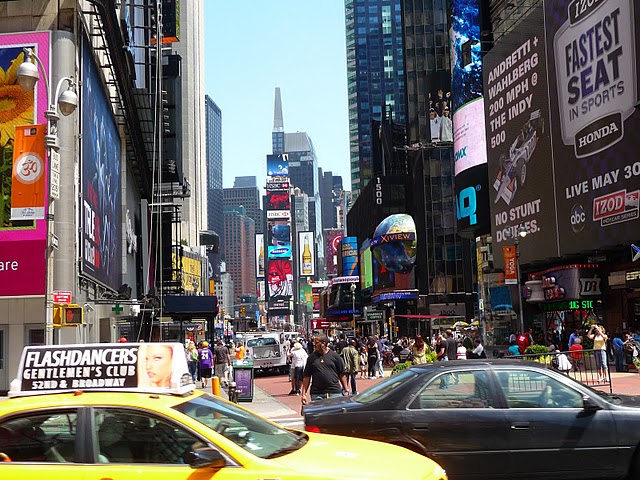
{"type": "Point", "coordinates": [520, 426]}
{"type": "Point", "coordinates": [421, 426]}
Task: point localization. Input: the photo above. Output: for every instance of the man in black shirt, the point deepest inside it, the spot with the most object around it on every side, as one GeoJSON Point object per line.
{"type": "Point", "coordinates": [222, 361]}
{"type": "Point", "coordinates": [324, 372]}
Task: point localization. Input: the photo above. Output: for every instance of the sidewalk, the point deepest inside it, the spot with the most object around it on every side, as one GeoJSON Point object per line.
{"type": "Point", "coordinates": [263, 403]}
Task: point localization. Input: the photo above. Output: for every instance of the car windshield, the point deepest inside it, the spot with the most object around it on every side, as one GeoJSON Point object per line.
{"type": "Point", "coordinates": [254, 434]}
{"type": "Point", "coordinates": [380, 390]}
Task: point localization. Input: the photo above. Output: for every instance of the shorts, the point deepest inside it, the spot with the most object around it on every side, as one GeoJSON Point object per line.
{"type": "Point", "coordinates": [205, 372]}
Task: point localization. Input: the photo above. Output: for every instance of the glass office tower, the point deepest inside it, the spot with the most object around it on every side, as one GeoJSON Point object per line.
{"type": "Point", "coordinates": [375, 76]}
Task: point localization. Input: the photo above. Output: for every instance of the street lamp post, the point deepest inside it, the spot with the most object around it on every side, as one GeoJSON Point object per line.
{"type": "Point", "coordinates": [522, 232]}
{"type": "Point", "coordinates": [64, 102]}
{"type": "Point", "coordinates": [353, 306]}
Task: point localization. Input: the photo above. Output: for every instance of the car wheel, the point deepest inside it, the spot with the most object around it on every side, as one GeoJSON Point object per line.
{"type": "Point", "coordinates": [523, 173]}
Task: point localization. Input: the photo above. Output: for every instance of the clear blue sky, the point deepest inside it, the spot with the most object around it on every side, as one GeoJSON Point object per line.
{"type": "Point", "coordinates": [297, 45]}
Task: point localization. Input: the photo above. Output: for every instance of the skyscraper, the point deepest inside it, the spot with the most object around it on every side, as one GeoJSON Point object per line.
{"type": "Point", "coordinates": [375, 76]}
{"type": "Point", "coordinates": [245, 193]}
{"type": "Point", "coordinates": [239, 250]}
{"type": "Point", "coordinates": [303, 164]}
{"type": "Point", "coordinates": [215, 202]}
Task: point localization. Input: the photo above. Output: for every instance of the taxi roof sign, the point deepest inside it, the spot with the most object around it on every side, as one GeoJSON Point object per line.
{"type": "Point", "coordinates": [132, 367]}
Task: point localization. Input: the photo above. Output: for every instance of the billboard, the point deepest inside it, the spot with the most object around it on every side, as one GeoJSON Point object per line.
{"type": "Point", "coordinates": [306, 296]}
{"type": "Point", "coordinates": [28, 180]}
{"type": "Point", "coordinates": [366, 268]}
{"type": "Point", "coordinates": [519, 143]}
{"type": "Point", "coordinates": [260, 255]}
{"type": "Point", "coordinates": [349, 253]}
{"type": "Point", "coordinates": [468, 106]}
{"type": "Point", "coordinates": [306, 254]}
{"type": "Point", "coordinates": [332, 237]}
{"type": "Point", "coordinates": [22, 242]}
{"type": "Point", "coordinates": [593, 70]}
{"type": "Point", "coordinates": [278, 200]}
{"type": "Point", "coordinates": [101, 195]}
{"type": "Point", "coordinates": [278, 165]}
{"type": "Point", "coordinates": [278, 239]}
{"type": "Point", "coordinates": [280, 283]}
{"type": "Point", "coordinates": [469, 138]}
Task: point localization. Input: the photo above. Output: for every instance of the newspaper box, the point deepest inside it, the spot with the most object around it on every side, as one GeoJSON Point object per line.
{"type": "Point", "coordinates": [243, 376]}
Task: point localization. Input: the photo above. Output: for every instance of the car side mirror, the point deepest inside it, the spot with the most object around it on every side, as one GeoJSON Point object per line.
{"type": "Point", "coordinates": [204, 457]}
{"type": "Point", "coordinates": [589, 405]}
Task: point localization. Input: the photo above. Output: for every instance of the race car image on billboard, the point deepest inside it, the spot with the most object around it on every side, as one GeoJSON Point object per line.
{"type": "Point", "coordinates": [513, 169]}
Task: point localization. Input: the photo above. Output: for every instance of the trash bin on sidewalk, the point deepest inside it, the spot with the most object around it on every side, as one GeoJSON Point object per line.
{"type": "Point", "coordinates": [243, 376]}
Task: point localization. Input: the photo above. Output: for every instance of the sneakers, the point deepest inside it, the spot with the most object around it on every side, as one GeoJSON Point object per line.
{"type": "Point", "coordinates": [293, 392]}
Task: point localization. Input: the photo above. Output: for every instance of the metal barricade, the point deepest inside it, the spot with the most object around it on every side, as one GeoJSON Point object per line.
{"type": "Point", "coordinates": [582, 365]}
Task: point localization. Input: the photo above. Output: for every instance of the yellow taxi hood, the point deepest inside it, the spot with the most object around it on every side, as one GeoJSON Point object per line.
{"type": "Point", "coordinates": [333, 456]}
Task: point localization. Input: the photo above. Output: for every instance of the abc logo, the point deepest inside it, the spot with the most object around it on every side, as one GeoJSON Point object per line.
{"type": "Point", "coordinates": [578, 218]}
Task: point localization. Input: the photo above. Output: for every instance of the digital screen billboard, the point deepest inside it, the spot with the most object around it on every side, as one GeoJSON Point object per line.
{"type": "Point", "coordinates": [469, 141]}
{"type": "Point", "coordinates": [280, 279]}
{"type": "Point", "coordinates": [279, 239]}
{"type": "Point", "coordinates": [593, 58]}
{"type": "Point", "coordinates": [260, 255]}
{"type": "Point", "coordinates": [468, 119]}
{"type": "Point", "coordinates": [349, 252]}
{"type": "Point", "coordinates": [332, 237]}
{"type": "Point", "coordinates": [22, 243]}
{"type": "Point", "coordinates": [519, 143]}
{"type": "Point", "coordinates": [101, 196]}
{"type": "Point", "coordinates": [278, 200]}
{"type": "Point", "coordinates": [306, 254]}
{"type": "Point", "coordinates": [278, 165]}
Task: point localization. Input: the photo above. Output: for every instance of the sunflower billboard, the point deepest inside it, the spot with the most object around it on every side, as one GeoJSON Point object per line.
{"type": "Point", "coordinates": [22, 242]}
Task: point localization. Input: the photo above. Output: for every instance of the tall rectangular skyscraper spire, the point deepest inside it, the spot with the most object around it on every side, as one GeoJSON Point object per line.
{"type": "Point", "coordinates": [277, 136]}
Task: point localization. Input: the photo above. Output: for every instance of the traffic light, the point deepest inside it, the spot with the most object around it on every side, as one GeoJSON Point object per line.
{"type": "Point", "coordinates": [243, 311]}
{"type": "Point", "coordinates": [222, 313]}
{"type": "Point", "coordinates": [73, 315]}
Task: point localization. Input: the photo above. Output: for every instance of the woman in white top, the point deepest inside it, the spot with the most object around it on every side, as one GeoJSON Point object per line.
{"type": "Point", "coordinates": [461, 352]}
{"type": "Point", "coordinates": [298, 361]}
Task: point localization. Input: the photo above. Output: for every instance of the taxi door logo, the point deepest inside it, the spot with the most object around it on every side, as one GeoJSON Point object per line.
{"type": "Point", "coordinates": [595, 55]}
{"type": "Point", "coordinates": [28, 180]}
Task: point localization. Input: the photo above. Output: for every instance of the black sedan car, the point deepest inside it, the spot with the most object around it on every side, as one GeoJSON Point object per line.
{"type": "Point", "coordinates": [493, 419]}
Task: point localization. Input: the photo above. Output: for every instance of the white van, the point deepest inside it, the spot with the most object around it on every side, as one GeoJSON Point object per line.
{"type": "Point", "coordinates": [267, 350]}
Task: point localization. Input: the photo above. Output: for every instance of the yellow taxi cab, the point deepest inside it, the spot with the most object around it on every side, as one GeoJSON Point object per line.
{"type": "Point", "coordinates": [124, 411]}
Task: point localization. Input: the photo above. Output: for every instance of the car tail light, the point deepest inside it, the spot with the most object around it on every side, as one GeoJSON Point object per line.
{"type": "Point", "coordinates": [312, 428]}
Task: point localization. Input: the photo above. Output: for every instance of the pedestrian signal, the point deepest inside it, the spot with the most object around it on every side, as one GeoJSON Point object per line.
{"type": "Point", "coordinates": [73, 315]}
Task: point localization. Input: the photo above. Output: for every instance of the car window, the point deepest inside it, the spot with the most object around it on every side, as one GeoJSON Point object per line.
{"type": "Point", "coordinates": [132, 437]}
{"type": "Point", "coordinates": [534, 389]}
{"type": "Point", "coordinates": [247, 430]}
{"type": "Point", "coordinates": [467, 389]}
{"type": "Point", "coordinates": [387, 385]}
{"type": "Point", "coordinates": [45, 437]}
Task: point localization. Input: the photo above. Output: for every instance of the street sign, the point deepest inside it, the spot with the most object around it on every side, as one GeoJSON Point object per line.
{"type": "Point", "coordinates": [62, 296]}
{"type": "Point", "coordinates": [54, 185]}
